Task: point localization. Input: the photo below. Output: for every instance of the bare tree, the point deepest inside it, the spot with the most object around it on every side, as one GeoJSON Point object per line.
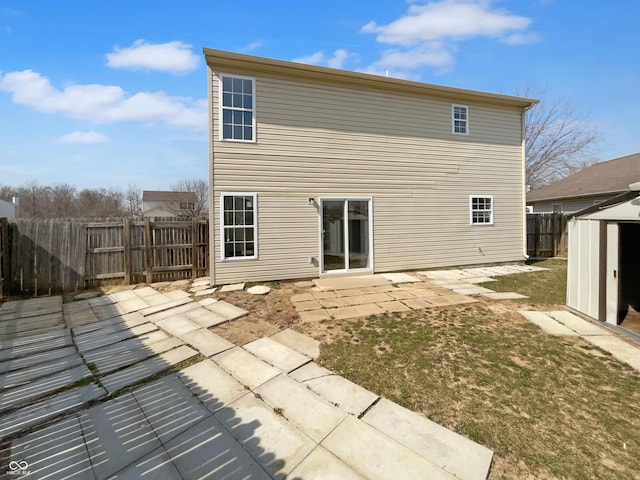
{"type": "Point", "coordinates": [201, 189]}
{"type": "Point", "coordinates": [559, 141]}
{"type": "Point", "coordinates": [133, 200]}
{"type": "Point", "coordinates": [63, 201]}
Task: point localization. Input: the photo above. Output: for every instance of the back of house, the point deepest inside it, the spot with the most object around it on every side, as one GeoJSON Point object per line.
{"type": "Point", "coordinates": [316, 171]}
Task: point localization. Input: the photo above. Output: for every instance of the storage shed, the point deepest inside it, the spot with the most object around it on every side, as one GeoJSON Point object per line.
{"type": "Point", "coordinates": [604, 258]}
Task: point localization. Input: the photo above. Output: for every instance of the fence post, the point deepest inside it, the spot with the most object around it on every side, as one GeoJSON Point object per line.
{"type": "Point", "coordinates": [148, 252]}
{"type": "Point", "coordinates": [126, 244]}
{"type": "Point", "coordinates": [194, 248]}
{"type": "Point", "coordinates": [536, 236]}
{"type": "Point", "coordinates": [5, 258]}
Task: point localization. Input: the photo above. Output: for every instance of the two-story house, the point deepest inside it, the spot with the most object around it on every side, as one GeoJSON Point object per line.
{"type": "Point", "coordinates": [317, 171]}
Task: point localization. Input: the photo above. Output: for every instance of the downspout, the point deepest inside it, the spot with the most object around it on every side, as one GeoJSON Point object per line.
{"type": "Point", "coordinates": [523, 133]}
{"type": "Point", "coordinates": [212, 212]}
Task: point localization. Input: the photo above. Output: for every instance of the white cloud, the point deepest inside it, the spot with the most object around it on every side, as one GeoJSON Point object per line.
{"type": "Point", "coordinates": [252, 46]}
{"type": "Point", "coordinates": [173, 57]}
{"type": "Point", "coordinates": [337, 60]}
{"type": "Point", "coordinates": [104, 103]}
{"type": "Point", "coordinates": [313, 59]}
{"type": "Point", "coordinates": [521, 38]}
{"type": "Point", "coordinates": [81, 138]}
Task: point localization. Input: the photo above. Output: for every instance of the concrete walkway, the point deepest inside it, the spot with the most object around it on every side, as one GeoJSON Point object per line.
{"type": "Point", "coordinates": [106, 394]}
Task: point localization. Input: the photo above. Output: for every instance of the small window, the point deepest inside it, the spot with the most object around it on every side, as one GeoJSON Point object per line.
{"type": "Point", "coordinates": [239, 220]}
{"type": "Point", "coordinates": [556, 207]}
{"type": "Point", "coordinates": [481, 209]}
{"type": "Point", "coordinates": [460, 119]}
{"type": "Point", "coordinates": [187, 206]}
{"type": "Point", "coordinates": [237, 108]}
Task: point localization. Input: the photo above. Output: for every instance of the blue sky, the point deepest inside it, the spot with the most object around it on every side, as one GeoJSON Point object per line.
{"type": "Point", "coordinates": [108, 94]}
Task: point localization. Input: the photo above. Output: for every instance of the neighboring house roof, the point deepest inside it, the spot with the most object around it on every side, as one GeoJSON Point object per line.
{"type": "Point", "coordinates": [604, 178]}
{"type": "Point", "coordinates": [221, 61]}
{"type": "Point", "coordinates": [167, 196]}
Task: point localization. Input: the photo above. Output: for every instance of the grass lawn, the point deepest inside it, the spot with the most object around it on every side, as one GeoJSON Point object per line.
{"type": "Point", "coordinates": [550, 407]}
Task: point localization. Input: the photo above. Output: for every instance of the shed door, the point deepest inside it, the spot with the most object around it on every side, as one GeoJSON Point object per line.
{"type": "Point", "coordinates": [612, 276]}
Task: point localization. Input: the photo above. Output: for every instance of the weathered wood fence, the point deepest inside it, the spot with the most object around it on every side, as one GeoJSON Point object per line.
{"type": "Point", "coordinates": [4, 257]}
{"type": "Point", "coordinates": [57, 255]}
{"type": "Point", "coordinates": [547, 235]}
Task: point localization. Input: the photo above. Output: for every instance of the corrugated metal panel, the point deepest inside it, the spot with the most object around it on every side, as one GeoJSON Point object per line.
{"type": "Point", "coordinates": [583, 267]}
{"type": "Point", "coordinates": [316, 141]}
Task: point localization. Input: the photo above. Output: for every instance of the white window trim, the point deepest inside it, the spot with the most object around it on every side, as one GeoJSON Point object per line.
{"type": "Point", "coordinates": [471, 222]}
{"type": "Point", "coordinates": [553, 207]}
{"type": "Point", "coordinates": [221, 108]}
{"type": "Point", "coordinates": [255, 225]}
{"type": "Point", "coordinates": [453, 119]}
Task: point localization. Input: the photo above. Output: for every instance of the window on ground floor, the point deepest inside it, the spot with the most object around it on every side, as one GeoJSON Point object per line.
{"type": "Point", "coordinates": [239, 219]}
{"type": "Point", "coordinates": [481, 209]}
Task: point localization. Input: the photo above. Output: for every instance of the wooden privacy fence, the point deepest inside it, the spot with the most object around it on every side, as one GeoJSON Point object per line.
{"type": "Point", "coordinates": [4, 257]}
{"type": "Point", "coordinates": [53, 255]}
{"type": "Point", "coordinates": [547, 235]}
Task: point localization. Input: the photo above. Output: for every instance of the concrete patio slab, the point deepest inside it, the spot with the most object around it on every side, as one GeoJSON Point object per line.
{"type": "Point", "coordinates": [57, 451]}
{"type": "Point", "coordinates": [19, 377]}
{"type": "Point", "coordinates": [368, 309]}
{"type": "Point", "coordinates": [302, 297]}
{"type": "Point", "coordinates": [145, 292]}
{"type": "Point", "coordinates": [105, 312]}
{"type": "Point", "coordinates": [187, 307]}
{"type": "Point", "coordinates": [133, 305]}
{"type": "Point", "coordinates": [36, 358]}
{"type": "Point", "coordinates": [472, 290]}
{"type": "Point", "coordinates": [169, 407]}
{"type": "Point", "coordinates": [207, 450]}
{"type": "Point", "coordinates": [123, 347]}
{"type": "Point", "coordinates": [299, 342]}
{"type": "Point", "coordinates": [214, 387]}
{"type": "Point", "coordinates": [307, 305]}
{"type": "Point", "coordinates": [360, 446]}
{"type": "Point", "coordinates": [275, 443]}
{"type": "Point", "coordinates": [314, 315]}
{"type": "Point", "coordinates": [79, 317]}
{"type": "Point", "coordinates": [452, 452]}
{"type": "Point", "coordinates": [322, 465]}
{"type": "Point", "coordinates": [577, 324]}
{"type": "Point", "coordinates": [245, 368]}
{"type": "Point", "coordinates": [177, 325]}
{"type": "Point", "coordinates": [504, 296]}
{"type": "Point", "coordinates": [204, 317]}
{"type": "Point", "coordinates": [158, 299]}
{"type": "Point", "coordinates": [232, 288]}
{"type": "Point", "coordinates": [177, 294]}
{"type": "Point", "coordinates": [147, 368]}
{"type": "Point", "coordinates": [101, 301]}
{"type": "Point", "coordinates": [337, 390]}
{"type": "Point", "coordinates": [400, 294]}
{"type": "Point", "coordinates": [475, 280]}
{"type": "Point", "coordinates": [617, 347]}
{"type": "Point", "coordinates": [67, 401]}
{"type": "Point", "coordinates": [117, 434]}
{"type": "Point", "coordinates": [226, 310]}
{"type": "Point", "coordinates": [24, 394]}
{"type": "Point", "coordinates": [28, 326]}
{"type": "Point", "coordinates": [277, 354]}
{"type": "Point", "coordinates": [90, 341]}
{"type": "Point", "coordinates": [394, 306]}
{"type": "Point", "coordinates": [341, 313]}
{"type": "Point", "coordinates": [156, 465]}
{"type": "Point", "coordinates": [111, 325]}
{"type": "Point", "coordinates": [123, 295]}
{"type": "Point", "coordinates": [400, 278]}
{"type": "Point", "coordinates": [109, 363]}
{"type": "Point", "coordinates": [294, 401]}
{"type": "Point", "coordinates": [54, 339]}
{"type": "Point", "coordinates": [161, 307]}
{"type": "Point", "coordinates": [205, 302]}
{"type": "Point", "coordinates": [30, 307]}
{"type": "Point", "coordinates": [206, 291]}
{"type": "Point", "coordinates": [546, 323]}
{"type": "Point", "coordinates": [206, 342]}
{"type": "Point", "coordinates": [341, 283]}
{"type": "Point", "coordinates": [417, 303]}
{"type": "Point", "coordinates": [201, 281]}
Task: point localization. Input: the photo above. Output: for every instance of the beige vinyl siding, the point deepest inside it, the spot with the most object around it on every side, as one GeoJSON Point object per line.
{"type": "Point", "coordinates": [316, 140]}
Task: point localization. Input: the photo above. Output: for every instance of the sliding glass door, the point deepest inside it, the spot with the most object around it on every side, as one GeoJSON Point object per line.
{"type": "Point", "coordinates": [345, 235]}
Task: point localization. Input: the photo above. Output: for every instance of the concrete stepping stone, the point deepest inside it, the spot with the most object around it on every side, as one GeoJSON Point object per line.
{"type": "Point", "coordinates": [79, 317]}
{"type": "Point", "coordinates": [472, 290]}
{"type": "Point", "coordinates": [202, 281]}
{"type": "Point", "coordinates": [154, 465]}
{"type": "Point", "coordinates": [198, 288]}
{"type": "Point", "coordinates": [314, 315]}
{"type": "Point", "coordinates": [546, 323]}
{"type": "Point", "coordinates": [299, 342]}
{"type": "Point", "coordinates": [617, 347]}
{"type": "Point", "coordinates": [116, 434]}
{"type": "Point", "coordinates": [312, 414]}
{"type": "Point", "coordinates": [31, 307]}
{"type": "Point", "coordinates": [394, 306]}
{"type": "Point", "coordinates": [205, 302]}
{"type": "Point", "coordinates": [400, 278]}
{"type": "Point", "coordinates": [337, 390]}
{"type": "Point", "coordinates": [504, 296]}
{"type": "Point", "coordinates": [208, 450]}
{"type": "Point", "coordinates": [276, 444]}
{"type": "Point", "coordinates": [122, 296]}
{"type": "Point", "coordinates": [245, 368]}
{"type": "Point", "coordinates": [57, 451]}
{"type": "Point", "coordinates": [31, 325]}
{"type": "Point", "coordinates": [164, 306]}
{"type": "Point", "coordinates": [55, 338]}
{"type": "Point", "coordinates": [109, 363]}
{"type": "Point", "coordinates": [89, 342]}
{"type": "Point", "coordinates": [226, 310]}
{"type": "Point", "coordinates": [125, 306]}
{"type": "Point", "coordinates": [158, 299]}
{"type": "Point", "coordinates": [206, 342]}
{"type": "Point", "coordinates": [374, 455]}
{"type": "Point", "coordinates": [214, 387]}
{"type": "Point", "coordinates": [277, 354]}
{"type": "Point", "coordinates": [19, 377]}
{"type": "Point", "coordinates": [258, 290]}
{"type": "Point", "coordinates": [147, 368]}
{"type": "Point", "coordinates": [577, 324]}
{"type": "Point", "coordinates": [122, 348]}
{"type": "Point", "coordinates": [417, 303]}
{"type": "Point", "coordinates": [35, 359]}
{"type": "Point", "coordinates": [111, 325]}
{"type": "Point", "coordinates": [105, 312]}
{"type": "Point", "coordinates": [307, 305]}
{"type": "Point", "coordinates": [145, 292]}
{"type": "Point", "coordinates": [476, 280]}
{"type": "Point", "coordinates": [187, 307]}
{"type": "Point", "coordinates": [232, 288]}
{"type": "Point", "coordinates": [342, 283]}
{"type": "Point", "coordinates": [448, 450]}
{"type": "Point", "coordinates": [206, 291]}
{"type": "Point", "coordinates": [368, 309]}
{"type": "Point", "coordinates": [323, 465]}
{"type": "Point", "coordinates": [204, 317]}
{"type": "Point", "coordinates": [44, 410]}
{"type": "Point", "coordinates": [178, 325]}
{"type": "Point", "coordinates": [178, 294]}
{"type": "Point", "coordinates": [169, 407]}
{"type": "Point", "coordinates": [24, 394]}
{"type": "Point", "coordinates": [101, 301]}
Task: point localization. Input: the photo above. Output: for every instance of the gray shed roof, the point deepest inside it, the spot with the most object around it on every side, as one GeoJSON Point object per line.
{"type": "Point", "coordinates": [604, 178]}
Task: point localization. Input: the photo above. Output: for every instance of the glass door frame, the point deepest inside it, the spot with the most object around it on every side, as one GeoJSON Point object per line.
{"type": "Point", "coordinates": [346, 201]}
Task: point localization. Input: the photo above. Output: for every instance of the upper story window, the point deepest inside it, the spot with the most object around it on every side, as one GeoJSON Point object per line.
{"type": "Point", "coordinates": [237, 106]}
{"type": "Point", "coordinates": [481, 209]}
{"type": "Point", "coordinates": [460, 119]}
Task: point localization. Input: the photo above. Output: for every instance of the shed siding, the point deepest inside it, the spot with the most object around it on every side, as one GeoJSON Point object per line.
{"type": "Point", "coordinates": [583, 266]}
{"type": "Point", "coordinates": [318, 140]}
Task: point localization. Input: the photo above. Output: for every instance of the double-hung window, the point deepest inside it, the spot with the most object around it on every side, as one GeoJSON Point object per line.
{"type": "Point", "coordinates": [460, 119]}
{"type": "Point", "coordinates": [237, 108]}
{"type": "Point", "coordinates": [239, 219]}
{"type": "Point", "coordinates": [481, 209]}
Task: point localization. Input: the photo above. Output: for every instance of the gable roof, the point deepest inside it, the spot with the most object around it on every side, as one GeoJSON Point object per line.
{"type": "Point", "coordinates": [604, 178]}
{"type": "Point", "coordinates": [222, 61]}
{"type": "Point", "coordinates": [168, 196]}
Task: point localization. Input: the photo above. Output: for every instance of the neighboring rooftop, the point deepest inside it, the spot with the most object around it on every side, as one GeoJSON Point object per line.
{"type": "Point", "coordinates": [168, 196]}
{"type": "Point", "coordinates": [604, 178]}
